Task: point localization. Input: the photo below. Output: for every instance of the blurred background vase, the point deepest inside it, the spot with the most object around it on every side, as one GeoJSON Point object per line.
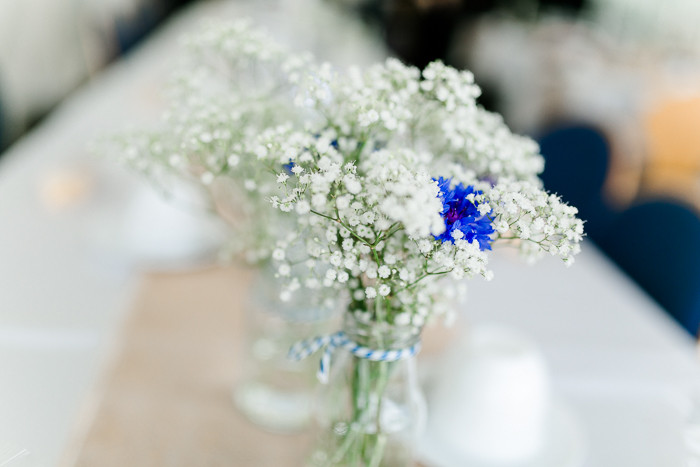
{"type": "Point", "coordinates": [370, 413]}
{"type": "Point", "coordinates": [273, 391]}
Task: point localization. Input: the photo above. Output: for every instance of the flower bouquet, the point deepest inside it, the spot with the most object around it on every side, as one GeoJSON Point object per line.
{"type": "Point", "coordinates": [381, 189]}
{"type": "Point", "coordinates": [400, 185]}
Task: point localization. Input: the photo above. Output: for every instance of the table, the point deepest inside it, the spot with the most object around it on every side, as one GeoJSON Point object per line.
{"type": "Point", "coordinates": [70, 267]}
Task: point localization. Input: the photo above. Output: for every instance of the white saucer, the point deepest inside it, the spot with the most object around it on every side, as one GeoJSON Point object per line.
{"type": "Point", "coordinates": [565, 446]}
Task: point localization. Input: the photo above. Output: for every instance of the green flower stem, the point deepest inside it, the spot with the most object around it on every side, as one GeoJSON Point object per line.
{"type": "Point", "coordinates": [378, 451]}
{"type": "Point", "coordinates": [359, 447]}
{"type": "Point", "coordinates": [349, 440]}
{"type": "Point", "coordinates": [427, 274]}
{"type": "Point", "coordinates": [323, 215]}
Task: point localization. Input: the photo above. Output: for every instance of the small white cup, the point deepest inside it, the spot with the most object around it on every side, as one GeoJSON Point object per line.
{"type": "Point", "coordinates": [490, 401]}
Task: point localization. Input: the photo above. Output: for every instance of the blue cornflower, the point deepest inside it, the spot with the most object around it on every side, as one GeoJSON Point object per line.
{"type": "Point", "coordinates": [461, 214]}
{"type": "Point", "coordinates": [288, 167]}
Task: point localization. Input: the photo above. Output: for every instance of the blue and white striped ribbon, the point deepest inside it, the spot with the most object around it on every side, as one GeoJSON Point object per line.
{"type": "Point", "coordinates": [329, 343]}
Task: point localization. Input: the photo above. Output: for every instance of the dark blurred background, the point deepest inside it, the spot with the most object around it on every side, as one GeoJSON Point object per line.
{"type": "Point", "coordinates": [65, 49]}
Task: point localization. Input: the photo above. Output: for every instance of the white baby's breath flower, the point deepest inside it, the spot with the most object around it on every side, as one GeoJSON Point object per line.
{"type": "Point", "coordinates": [336, 259]}
{"type": "Point", "coordinates": [352, 184]}
{"type": "Point", "coordinates": [384, 271]}
{"type": "Point", "coordinates": [260, 152]}
{"type": "Point", "coordinates": [278, 254]}
{"type": "Point", "coordinates": [343, 202]}
{"type": "Point", "coordinates": [207, 178]}
{"type": "Point", "coordinates": [318, 201]}
{"type": "Point", "coordinates": [233, 160]}
{"type": "Point", "coordinates": [402, 319]}
{"type": "Point", "coordinates": [343, 277]}
{"type": "Point", "coordinates": [303, 207]}
{"type": "Point", "coordinates": [331, 274]}
{"type": "Point", "coordinates": [284, 270]}
{"type": "Point", "coordinates": [175, 160]}
{"type": "Point", "coordinates": [371, 271]}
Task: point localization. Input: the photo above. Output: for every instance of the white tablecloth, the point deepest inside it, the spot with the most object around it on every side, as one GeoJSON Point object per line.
{"type": "Point", "coordinates": [67, 272]}
{"type": "Point", "coordinates": [625, 369]}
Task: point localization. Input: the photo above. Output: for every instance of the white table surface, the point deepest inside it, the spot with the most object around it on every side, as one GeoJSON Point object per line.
{"type": "Point", "coordinates": [67, 275]}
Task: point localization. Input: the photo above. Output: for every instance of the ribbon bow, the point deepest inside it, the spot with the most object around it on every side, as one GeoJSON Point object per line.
{"type": "Point", "coordinates": [329, 343]}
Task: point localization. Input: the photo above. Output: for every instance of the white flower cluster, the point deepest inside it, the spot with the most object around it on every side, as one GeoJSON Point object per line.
{"type": "Point", "coordinates": [351, 164]}
{"type": "Point", "coordinates": [233, 85]}
{"type": "Point", "coordinates": [393, 105]}
{"type": "Point", "coordinates": [539, 221]}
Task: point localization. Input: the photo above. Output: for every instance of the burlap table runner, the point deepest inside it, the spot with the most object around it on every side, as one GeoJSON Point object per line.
{"type": "Point", "coordinates": [165, 399]}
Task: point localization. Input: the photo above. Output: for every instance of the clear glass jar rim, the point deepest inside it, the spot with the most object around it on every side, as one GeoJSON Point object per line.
{"type": "Point", "coordinates": [380, 335]}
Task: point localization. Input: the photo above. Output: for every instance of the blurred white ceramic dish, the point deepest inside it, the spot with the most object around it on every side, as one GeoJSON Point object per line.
{"type": "Point", "coordinates": [492, 390]}
{"type": "Point", "coordinates": [564, 446]}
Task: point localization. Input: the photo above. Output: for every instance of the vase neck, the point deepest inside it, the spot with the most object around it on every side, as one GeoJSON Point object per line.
{"type": "Point", "coordinates": [380, 335]}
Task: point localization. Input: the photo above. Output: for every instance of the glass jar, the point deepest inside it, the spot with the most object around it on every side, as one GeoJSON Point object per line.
{"type": "Point", "coordinates": [370, 413]}
{"type": "Point", "coordinates": [275, 392]}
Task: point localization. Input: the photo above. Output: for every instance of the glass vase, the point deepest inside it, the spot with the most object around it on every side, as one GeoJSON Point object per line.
{"type": "Point", "coordinates": [274, 392]}
{"type": "Point", "coordinates": [369, 413]}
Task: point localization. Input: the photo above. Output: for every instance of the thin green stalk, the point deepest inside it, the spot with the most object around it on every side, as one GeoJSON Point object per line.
{"type": "Point", "coordinates": [353, 431]}
{"type": "Point", "coordinates": [378, 453]}
{"type": "Point", "coordinates": [323, 215]}
{"type": "Point", "coordinates": [427, 274]}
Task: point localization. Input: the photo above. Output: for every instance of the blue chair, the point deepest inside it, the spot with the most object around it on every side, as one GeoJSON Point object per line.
{"type": "Point", "coordinates": [576, 166]}
{"type": "Point", "coordinates": [658, 244]}
{"type": "Point", "coordinates": [130, 31]}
